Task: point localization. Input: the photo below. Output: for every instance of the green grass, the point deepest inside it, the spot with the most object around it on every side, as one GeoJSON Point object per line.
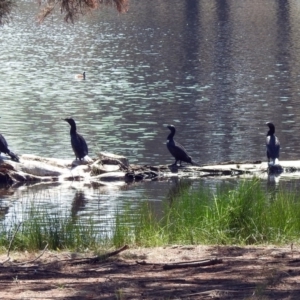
{"type": "Point", "coordinates": [41, 229]}
{"type": "Point", "coordinates": [246, 214]}
{"type": "Point", "coordinates": [242, 215]}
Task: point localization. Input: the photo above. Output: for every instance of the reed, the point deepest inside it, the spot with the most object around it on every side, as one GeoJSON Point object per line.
{"type": "Point", "coordinates": [41, 229]}
{"type": "Point", "coordinates": [245, 214]}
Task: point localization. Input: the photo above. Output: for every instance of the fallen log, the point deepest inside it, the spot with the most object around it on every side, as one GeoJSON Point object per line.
{"type": "Point", "coordinates": [108, 168]}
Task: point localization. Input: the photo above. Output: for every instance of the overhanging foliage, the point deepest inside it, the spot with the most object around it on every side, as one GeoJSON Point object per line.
{"type": "Point", "coordinates": [70, 9]}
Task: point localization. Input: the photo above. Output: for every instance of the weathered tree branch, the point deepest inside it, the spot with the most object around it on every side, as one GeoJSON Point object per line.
{"type": "Point", "coordinates": [179, 265]}
{"type": "Point", "coordinates": [202, 263]}
{"type": "Point", "coordinates": [99, 258]}
{"type": "Point", "coordinates": [33, 260]}
{"type": "Point", "coordinates": [12, 239]}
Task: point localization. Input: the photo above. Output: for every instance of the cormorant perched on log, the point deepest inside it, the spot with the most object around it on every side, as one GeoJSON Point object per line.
{"type": "Point", "coordinates": [272, 144]}
{"type": "Point", "coordinates": [4, 149]}
{"type": "Point", "coordinates": [177, 150]}
{"type": "Point", "coordinates": [78, 143]}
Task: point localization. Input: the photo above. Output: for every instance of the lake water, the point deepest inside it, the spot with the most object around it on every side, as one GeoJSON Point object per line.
{"type": "Point", "coordinates": [217, 70]}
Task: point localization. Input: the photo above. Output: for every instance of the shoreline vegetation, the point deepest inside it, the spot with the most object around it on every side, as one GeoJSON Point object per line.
{"type": "Point", "coordinates": [232, 242]}
{"type": "Point", "coordinates": [246, 214]}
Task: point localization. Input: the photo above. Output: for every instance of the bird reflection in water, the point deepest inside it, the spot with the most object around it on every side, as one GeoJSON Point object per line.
{"type": "Point", "coordinates": [273, 186]}
{"type": "Point", "coordinates": [78, 204]}
{"type": "Point", "coordinates": [178, 187]}
{"type": "Point", "coordinates": [5, 193]}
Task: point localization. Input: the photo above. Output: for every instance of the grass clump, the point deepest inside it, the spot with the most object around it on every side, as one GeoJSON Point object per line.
{"type": "Point", "coordinates": [244, 214]}
{"type": "Point", "coordinates": [41, 229]}
{"type": "Point", "coordinates": [140, 227]}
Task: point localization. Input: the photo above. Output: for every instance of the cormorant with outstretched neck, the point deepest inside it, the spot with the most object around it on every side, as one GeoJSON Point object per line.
{"type": "Point", "coordinates": [4, 149]}
{"type": "Point", "coordinates": [272, 144]}
{"type": "Point", "coordinates": [177, 150]}
{"type": "Point", "coordinates": [78, 143]}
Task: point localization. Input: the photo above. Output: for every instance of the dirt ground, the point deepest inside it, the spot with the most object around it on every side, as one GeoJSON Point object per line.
{"type": "Point", "coordinates": [238, 273]}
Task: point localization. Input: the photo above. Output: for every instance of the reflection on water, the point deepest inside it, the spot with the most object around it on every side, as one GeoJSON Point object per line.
{"type": "Point", "coordinates": [217, 70]}
{"type": "Point", "coordinates": [78, 204]}
{"type": "Point", "coordinates": [178, 188]}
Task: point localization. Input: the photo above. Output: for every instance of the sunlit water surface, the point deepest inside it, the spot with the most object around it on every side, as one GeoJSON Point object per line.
{"type": "Point", "coordinates": [217, 70]}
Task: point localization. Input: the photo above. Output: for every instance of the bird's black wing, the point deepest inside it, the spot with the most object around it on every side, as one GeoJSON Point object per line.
{"type": "Point", "coordinates": [272, 146]}
{"type": "Point", "coordinates": [3, 144]}
{"type": "Point", "coordinates": [79, 145]}
{"type": "Point", "coordinates": [178, 151]}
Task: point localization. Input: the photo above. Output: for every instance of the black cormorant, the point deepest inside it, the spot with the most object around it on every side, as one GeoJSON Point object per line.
{"type": "Point", "coordinates": [4, 148]}
{"type": "Point", "coordinates": [176, 149]}
{"type": "Point", "coordinates": [272, 144]}
{"type": "Point", "coordinates": [78, 143]}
